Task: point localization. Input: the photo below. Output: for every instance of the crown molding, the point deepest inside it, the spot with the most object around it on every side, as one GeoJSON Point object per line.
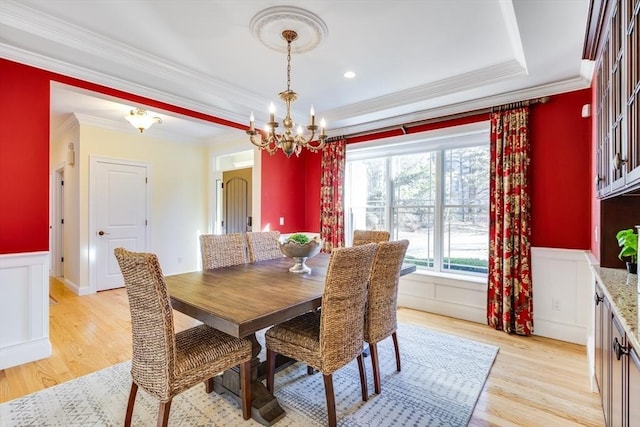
{"type": "Point", "coordinates": [569, 85]}
{"type": "Point", "coordinates": [201, 90]}
{"type": "Point", "coordinates": [461, 82]}
{"type": "Point", "coordinates": [120, 55]}
{"type": "Point", "coordinates": [597, 23]}
{"type": "Point", "coordinates": [68, 125]}
{"type": "Point", "coordinates": [66, 69]}
{"type": "Point", "coordinates": [75, 71]}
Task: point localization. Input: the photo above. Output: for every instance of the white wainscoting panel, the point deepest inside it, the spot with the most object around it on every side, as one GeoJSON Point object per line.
{"type": "Point", "coordinates": [24, 308]}
{"type": "Point", "coordinates": [561, 294]}
{"type": "Point", "coordinates": [458, 296]}
{"type": "Point", "coordinates": [562, 281]}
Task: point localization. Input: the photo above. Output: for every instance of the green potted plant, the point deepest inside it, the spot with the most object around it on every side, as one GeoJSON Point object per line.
{"type": "Point", "coordinates": [628, 242]}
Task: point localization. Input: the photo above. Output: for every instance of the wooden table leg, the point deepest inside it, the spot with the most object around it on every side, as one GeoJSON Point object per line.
{"type": "Point", "coordinates": [264, 406]}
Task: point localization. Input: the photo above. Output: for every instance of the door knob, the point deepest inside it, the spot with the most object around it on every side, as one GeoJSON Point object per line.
{"type": "Point", "coordinates": [102, 233]}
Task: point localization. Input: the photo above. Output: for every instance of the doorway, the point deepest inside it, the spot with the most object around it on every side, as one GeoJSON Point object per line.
{"type": "Point", "coordinates": [119, 210]}
{"type": "Point", "coordinates": [56, 266]}
{"type": "Point", "coordinates": [236, 201]}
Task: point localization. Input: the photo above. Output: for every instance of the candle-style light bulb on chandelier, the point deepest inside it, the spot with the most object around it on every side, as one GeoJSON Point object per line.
{"type": "Point", "coordinates": [288, 141]}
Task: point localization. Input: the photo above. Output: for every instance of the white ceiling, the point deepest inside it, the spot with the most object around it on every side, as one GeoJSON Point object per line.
{"type": "Point", "coordinates": [414, 59]}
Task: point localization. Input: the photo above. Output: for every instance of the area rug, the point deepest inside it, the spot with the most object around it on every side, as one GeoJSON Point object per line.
{"type": "Point", "coordinates": [441, 379]}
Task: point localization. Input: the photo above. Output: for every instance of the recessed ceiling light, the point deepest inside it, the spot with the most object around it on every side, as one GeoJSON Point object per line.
{"type": "Point", "coordinates": [349, 75]}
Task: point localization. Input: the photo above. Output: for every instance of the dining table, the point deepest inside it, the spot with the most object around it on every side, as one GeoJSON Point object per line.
{"type": "Point", "coordinates": [244, 299]}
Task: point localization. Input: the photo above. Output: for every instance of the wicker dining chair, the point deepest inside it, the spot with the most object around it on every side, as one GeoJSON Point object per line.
{"type": "Point", "coordinates": [263, 245]}
{"type": "Point", "coordinates": [329, 338]}
{"type": "Point", "coordinates": [164, 363]}
{"type": "Point", "coordinates": [362, 237]}
{"type": "Point", "coordinates": [222, 250]}
{"type": "Point", "coordinates": [382, 301]}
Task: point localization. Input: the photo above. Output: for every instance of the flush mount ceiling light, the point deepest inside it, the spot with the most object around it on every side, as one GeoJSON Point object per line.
{"type": "Point", "coordinates": [141, 120]}
{"type": "Point", "coordinates": [290, 22]}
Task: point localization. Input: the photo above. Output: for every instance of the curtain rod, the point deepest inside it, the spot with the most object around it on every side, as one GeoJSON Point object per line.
{"type": "Point", "coordinates": [403, 127]}
{"type": "Point", "coordinates": [336, 138]}
{"type": "Point", "coordinates": [525, 103]}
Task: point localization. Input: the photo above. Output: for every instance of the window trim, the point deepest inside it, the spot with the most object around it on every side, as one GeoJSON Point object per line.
{"type": "Point", "coordinates": [447, 138]}
{"type": "Point", "coordinates": [439, 140]}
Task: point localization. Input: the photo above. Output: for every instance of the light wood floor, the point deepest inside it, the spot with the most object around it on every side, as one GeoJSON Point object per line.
{"type": "Point", "coordinates": [534, 381]}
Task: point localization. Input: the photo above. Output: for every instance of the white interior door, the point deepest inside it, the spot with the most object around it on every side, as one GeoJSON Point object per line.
{"type": "Point", "coordinates": [57, 226]}
{"type": "Point", "coordinates": [120, 195]}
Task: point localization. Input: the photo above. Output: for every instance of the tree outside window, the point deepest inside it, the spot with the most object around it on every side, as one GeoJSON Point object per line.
{"type": "Point", "coordinates": [437, 199]}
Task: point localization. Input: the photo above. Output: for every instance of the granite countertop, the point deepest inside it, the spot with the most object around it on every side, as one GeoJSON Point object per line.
{"type": "Point", "coordinates": [621, 289]}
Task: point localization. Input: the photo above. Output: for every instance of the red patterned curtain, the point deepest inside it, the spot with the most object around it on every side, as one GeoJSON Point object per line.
{"type": "Point", "coordinates": [331, 201]}
{"type": "Point", "coordinates": [510, 297]}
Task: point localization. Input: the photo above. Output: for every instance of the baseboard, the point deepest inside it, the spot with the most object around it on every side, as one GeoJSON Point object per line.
{"type": "Point", "coordinates": [73, 287]}
{"type": "Point", "coordinates": [448, 295]}
{"type": "Point", "coordinates": [18, 354]}
{"type": "Point", "coordinates": [458, 311]}
{"type": "Point", "coordinates": [558, 331]}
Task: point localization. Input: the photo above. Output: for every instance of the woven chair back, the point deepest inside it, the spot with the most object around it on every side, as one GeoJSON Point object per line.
{"type": "Point", "coordinates": [223, 250]}
{"type": "Point", "coordinates": [343, 305]}
{"type": "Point", "coordinates": [153, 334]}
{"type": "Point", "coordinates": [362, 237]}
{"type": "Point", "coordinates": [263, 245]}
{"type": "Point", "coordinates": [382, 300]}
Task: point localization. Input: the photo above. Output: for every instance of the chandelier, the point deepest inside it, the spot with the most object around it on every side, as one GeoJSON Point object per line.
{"type": "Point", "coordinates": [288, 141]}
{"type": "Point", "coordinates": [141, 120]}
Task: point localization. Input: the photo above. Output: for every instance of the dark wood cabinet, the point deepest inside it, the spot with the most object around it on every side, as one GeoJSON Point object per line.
{"type": "Point", "coordinates": [598, 320]}
{"type": "Point", "coordinates": [617, 366]}
{"type": "Point", "coordinates": [619, 380]}
{"type": "Point", "coordinates": [612, 41]}
{"type": "Point", "coordinates": [602, 351]}
{"type": "Point", "coordinates": [617, 89]}
{"type": "Point", "coordinates": [634, 388]}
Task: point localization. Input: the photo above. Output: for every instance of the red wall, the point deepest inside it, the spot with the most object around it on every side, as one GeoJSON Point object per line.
{"type": "Point", "coordinates": [24, 159]}
{"type": "Point", "coordinates": [561, 167]}
{"type": "Point", "coordinates": [285, 188]}
{"type": "Point", "coordinates": [24, 150]}
{"type": "Point", "coordinates": [313, 174]}
{"type": "Point", "coordinates": [291, 189]}
{"type": "Point", "coordinates": [561, 184]}
{"type": "Point", "coordinates": [561, 190]}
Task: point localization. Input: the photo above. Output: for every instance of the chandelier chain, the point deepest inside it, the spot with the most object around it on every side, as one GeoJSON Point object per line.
{"type": "Point", "coordinates": [288, 65]}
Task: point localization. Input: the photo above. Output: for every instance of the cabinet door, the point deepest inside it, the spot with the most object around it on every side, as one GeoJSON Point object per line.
{"type": "Point", "coordinates": [632, 92]}
{"type": "Point", "coordinates": [607, 354]}
{"type": "Point", "coordinates": [618, 372]}
{"type": "Point", "coordinates": [604, 171]}
{"type": "Point", "coordinates": [599, 318]}
{"type": "Point", "coordinates": [634, 388]}
{"type": "Point", "coordinates": [616, 98]}
{"type": "Point", "coordinates": [617, 94]}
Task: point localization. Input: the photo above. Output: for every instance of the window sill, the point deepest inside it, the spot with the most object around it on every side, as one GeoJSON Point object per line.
{"type": "Point", "coordinates": [480, 280]}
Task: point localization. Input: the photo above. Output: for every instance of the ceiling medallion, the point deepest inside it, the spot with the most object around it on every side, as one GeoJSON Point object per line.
{"type": "Point", "coordinates": [267, 26]}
